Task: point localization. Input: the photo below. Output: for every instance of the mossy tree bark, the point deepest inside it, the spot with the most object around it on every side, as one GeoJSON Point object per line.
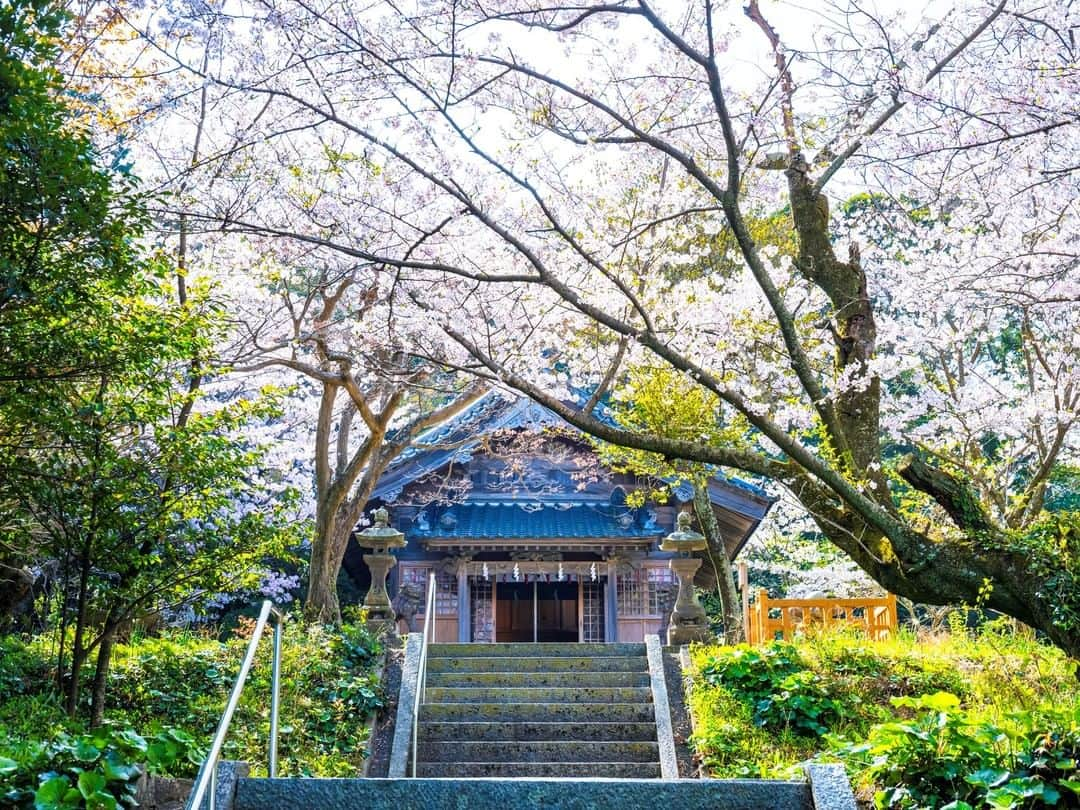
{"type": "Point", "coordinates": [720, 563]}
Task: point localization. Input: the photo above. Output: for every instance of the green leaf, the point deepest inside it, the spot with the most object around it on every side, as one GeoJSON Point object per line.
{"type": "Point", "coordinates": [90, 782]}
{"type": "Point", "coordinates": [132, 739]}
{"type": "Point", "coordinates": [8, 766]}
{"type": "Point", "coordinates": [988, 777]}
{"type": "Point", "coordinates": [86, 751]}
{"type": "Point", "coordinates": [56, 793]}
{"type": "Point", "coordinates": [101, 801]}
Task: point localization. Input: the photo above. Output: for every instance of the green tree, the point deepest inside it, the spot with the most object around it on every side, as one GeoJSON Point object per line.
{"type": "Point", "coordinates": [660, 401]}
{"type": "Point", "coordinates": [111, 464]}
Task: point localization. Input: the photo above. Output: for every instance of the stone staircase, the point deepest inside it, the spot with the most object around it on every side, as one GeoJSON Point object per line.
{"type": "Point", "coordinates": [538, 710]}
{"type": "Point", "coordinates": [572, 725]}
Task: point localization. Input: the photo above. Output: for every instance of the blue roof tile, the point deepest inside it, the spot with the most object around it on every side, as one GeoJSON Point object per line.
{"type": "Point", "coordinates": [497, 521]}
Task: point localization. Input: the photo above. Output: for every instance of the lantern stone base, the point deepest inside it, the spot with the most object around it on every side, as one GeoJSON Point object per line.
{"type": "Point", "coordinates": [688, 620]}
{"type": "Point", "coordinates": [377, 602]}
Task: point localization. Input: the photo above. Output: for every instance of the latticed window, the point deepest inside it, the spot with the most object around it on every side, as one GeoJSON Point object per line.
{"type": "Point", "coordinates": [592, 611]}
{"type": "Point", "coordinates": [446, 594]}
{"type": "Point", "coordinates": [482, 609]}
{"type": "Point", "coordinates": [660, 580]}
{"type": "Point", "coordinates": [446, 588]}
{"type": "Point", "coordinates": [631, 592]}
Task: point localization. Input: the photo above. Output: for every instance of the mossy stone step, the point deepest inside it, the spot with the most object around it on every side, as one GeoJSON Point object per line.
{"type": "Point", "coordinates": [541, 694]}
{"type": "Point", "coordinates": [540, 650]}
{"type": "Point", "coordinates": [489, 663]}
{"type": "Point", "coordinates": [566, 770]}
{"type": "Point", "coordinates": [537, 679]}
{"type": "Point", "coordinates": [533, 731]}
{"type": "Point", "coordinates": [547, 751]}
{"type": "Point", "coordinates": [538, 712]}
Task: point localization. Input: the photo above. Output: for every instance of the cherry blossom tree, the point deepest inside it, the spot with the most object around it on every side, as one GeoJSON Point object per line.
{"type": "Point", "coordinates": [557, 193]}
{"type": "Point", "coordinates": [374, 400]}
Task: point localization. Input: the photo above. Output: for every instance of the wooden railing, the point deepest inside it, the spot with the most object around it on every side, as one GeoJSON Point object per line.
{"type": "Point", "coordinates": [768, 619]}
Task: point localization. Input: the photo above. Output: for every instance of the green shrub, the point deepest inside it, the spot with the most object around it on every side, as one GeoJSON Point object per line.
{"type": "Point", "coordinates": [944, 757]}
{"type": "Point", "coordinates": [181, 680]}
{"type": "Point", "coordinates": [999, 675]}
{"type": "Point", "coordinates": [95, 771]}
{"type": "Point", "coordinates": [775, 681]}
{"type": "Point", "coordinates": [22, 670]}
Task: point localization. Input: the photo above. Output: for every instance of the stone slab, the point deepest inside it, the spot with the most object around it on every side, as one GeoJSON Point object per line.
{"type": "Point", "coordinates": [562, 680]}
{"type": "Point", "coordinates": [401, 748]}
{"type": "Point", "coordinates": [542, 694]}
{"type": "Point", "coordinates": [537, 751]}
{"type": "Point", "coordinates": [539, 770]}
{"type": "Point", "coordinates": [830, 787]}
{"type": "Point", "coordinates": [539, 650]}
{"type": "Point", "coordinates": [533, 731]}
{"type": "Point", "coordinates": [669, 765]}
{"type": "Point", "coordinates": [551, 794]}
{"type": "Point", "coordinates": [538, 712]}
{"type": "Point", "coordinates": [504, 663]}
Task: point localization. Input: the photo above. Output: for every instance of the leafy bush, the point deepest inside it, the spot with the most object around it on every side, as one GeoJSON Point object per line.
{"type": "Point", "coordinates": [21, 670]}
{"type": "Point", "coordinates": [329, 688]}
{"type": "Point", "coordinates": [774, 679]}
{"type": "Point", "coordinates": [1000, 677]}
{"type": "Point", "coordinates": [943, 757]}
{"type": "Point", "coordinates": [181, 680]}
{"type": "Point", "coordinates": [97, 771]}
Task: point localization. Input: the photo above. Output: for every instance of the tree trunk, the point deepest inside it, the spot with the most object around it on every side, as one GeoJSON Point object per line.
{"type": "Point", "coordinates": [79, 653]}
{"type": "Point", "coordinates": [101, 671]}
{"type": "Point", "coordinates": [322, 604]}
{"type": "Point", "coordinates": [734, 632]}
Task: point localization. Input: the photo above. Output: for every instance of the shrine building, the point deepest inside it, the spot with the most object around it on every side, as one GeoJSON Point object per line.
{"type": "Point", "coordinates": [531, 538]}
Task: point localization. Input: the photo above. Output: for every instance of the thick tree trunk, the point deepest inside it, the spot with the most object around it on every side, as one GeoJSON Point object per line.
{"type": "Point", "coordinates": [734, 631]}
{"type": "Point", "coordinates": [322, 599]}
{"type": "Point", "coordinates": [327, 552]}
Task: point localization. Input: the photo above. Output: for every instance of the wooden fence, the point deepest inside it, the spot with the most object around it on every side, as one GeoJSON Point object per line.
{"type": "Point", "coordinates": [768, 619]}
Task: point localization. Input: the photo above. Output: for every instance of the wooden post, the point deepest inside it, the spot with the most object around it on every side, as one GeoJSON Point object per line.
{"type": "Point", "coordinates": [464, 614]}
{"type": "Point", "coordinates": [611, 612]}
{"type": "Point", "coordinates": [744, 591]}
{"type": "Point", "coordinates": [763, 616]}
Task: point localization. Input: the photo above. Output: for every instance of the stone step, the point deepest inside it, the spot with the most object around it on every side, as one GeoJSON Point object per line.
{"type": "Point", "coordinates": [541, 650]}
{"type": "Point", "coordinates": [490, 663]}
{"type": "Point", "coordinates": [502, 712]}
{"type": "Point", "coordinates": [565, 770]}
{"type": "Point", "coordinates": [543, 694]}
{"type": "Point", "coordinates": [563, 751]}
{"type": "Point", "coordinates": [550, 794]}
{"type": "Point", "coordinates": [537, 679]}
{"type": "Point", "coordinates": [539, 732]}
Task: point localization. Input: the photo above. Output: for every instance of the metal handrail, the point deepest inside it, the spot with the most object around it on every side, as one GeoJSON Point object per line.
{"type": "Point", "coordinates": [207, 778]}
{"type": "Point", "coordinates": [421, 669]}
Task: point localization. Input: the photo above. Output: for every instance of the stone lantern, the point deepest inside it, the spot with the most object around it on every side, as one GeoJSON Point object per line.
{"type": "Point", "coordinates": [380, 538]}
{"type": "Point", "coordinates": [688, 620]}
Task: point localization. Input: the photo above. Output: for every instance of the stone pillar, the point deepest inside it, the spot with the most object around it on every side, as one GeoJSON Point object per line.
{"type": "Point", "coordinates": [377, 600]}
{"type": "Point", "coordinates": [688, 620]}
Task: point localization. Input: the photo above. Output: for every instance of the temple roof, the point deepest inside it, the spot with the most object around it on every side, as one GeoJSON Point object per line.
{"type": "Point", "coordinates": [739, 504]}
{"type": "Point", "coordinates": [510, 520]}
{"type": "Point", "coordinates": [457, 438]}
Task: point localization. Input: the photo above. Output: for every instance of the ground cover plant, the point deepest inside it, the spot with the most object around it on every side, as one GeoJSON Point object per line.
{"type": "Point", "coordinates": [166, 694]}
{"type": "Point", "coordinates": [956, 720]}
